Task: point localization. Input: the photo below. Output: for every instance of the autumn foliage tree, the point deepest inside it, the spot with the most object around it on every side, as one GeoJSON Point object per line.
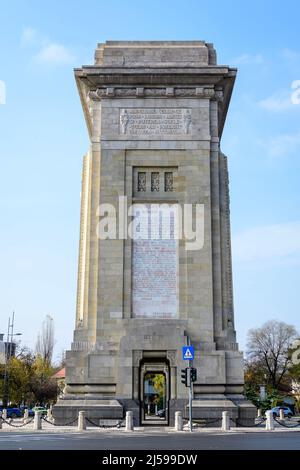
{"type": "Point", "coordinates": [29, 375]}
{"type": "Point", "coordinates": [29, 380]}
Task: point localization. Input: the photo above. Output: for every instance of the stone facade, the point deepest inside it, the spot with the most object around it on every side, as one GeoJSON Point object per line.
{"type": "Point", "coordinates": [155, 112]}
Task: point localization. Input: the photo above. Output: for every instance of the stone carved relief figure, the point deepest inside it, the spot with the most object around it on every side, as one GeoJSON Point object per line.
{"type": "Point", "coordinates": [124, 120]}
{"type": "Point", "coordinates": [187, 121]}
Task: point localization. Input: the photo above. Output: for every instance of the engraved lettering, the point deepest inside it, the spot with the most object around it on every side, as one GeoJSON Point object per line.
{"type": "Point", "coordinates": [155, 121]}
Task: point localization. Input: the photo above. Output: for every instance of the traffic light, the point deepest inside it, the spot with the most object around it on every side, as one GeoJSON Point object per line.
{"type": "Point", "coordinates": [183, 376]}
{"type": "Point", "coordinates": [186, 377]}
{"type": "Point", "coordinates": [193, 374]}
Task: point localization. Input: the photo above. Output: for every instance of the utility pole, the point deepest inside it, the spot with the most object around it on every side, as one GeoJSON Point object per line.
{"type": "Point", "coordinates": [8, 354]}
{"type": "Point", "coordinates": [5, 385]}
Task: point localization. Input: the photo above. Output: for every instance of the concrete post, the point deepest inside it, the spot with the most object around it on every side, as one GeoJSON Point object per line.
{"type": "Point", "coordinates": [37, 423]}
{"type": "Point", "coordinates": [270, 421]}
{"type": "Point", "coordinates": [281, 414]}
{"type": "Point", "coordinates": [26, 415]}
{"type": "Point", "coordinates": [129, 421]}
{"type": "Point", "coordinates": [225, 421]}
{"type": "Point", "coordinates": [49, 414]}
{"type": "Point", "coordinates": [4, 413]}
{"type": "Point", "coordinates": [178, 421]}
{"type": "Point", "coordinates": [81, 421]}
{"type": "Point", "coordinates": [259, 413]}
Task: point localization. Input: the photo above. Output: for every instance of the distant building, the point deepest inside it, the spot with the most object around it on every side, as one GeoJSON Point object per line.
{"type": "Point", "coordinates": [6, 349]}
{"type": "Point", "coordinates": [60, 377]}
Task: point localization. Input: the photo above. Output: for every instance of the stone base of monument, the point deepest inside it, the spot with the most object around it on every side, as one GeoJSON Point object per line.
{"type": "Point", "coordinates": [247, 412]}
{"type": "Point", "coordinates": [67, 409]}
{"type": "Point", "coordinates": [110, 412]}
{"type": "Point", "coordinates": [210, 411]}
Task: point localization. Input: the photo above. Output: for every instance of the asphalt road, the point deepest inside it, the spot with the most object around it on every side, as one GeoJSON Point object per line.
{"type": "Point", "coordinates": [149, 441]}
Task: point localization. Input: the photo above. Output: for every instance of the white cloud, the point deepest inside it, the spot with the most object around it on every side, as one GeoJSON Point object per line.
{"type": "Point", "coordinates": [29, 36]}
{"type": "Point", "coordinates": [277, 102]}
{"type": "Point", "coordinates": [276, 243]}
{"type": "Point", "coordinates": [248, 59]}
{"type": "Point", "coordinates": [282, 145]}
{"type": "Point", "coordinates": [290, 54]}
{"type": "Point", "coordinates": [54, 54]}
{"type": "Point", "coordinates": [48, 53]}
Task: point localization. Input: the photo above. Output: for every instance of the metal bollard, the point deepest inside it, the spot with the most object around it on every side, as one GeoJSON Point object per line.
{"type": "Point", "coordinates": [281, 414]}
{"type": "Point", "coordinates": [129, 421]}
{"type": "Point", "coordinates": [81, 421]}
{"type": "Point", "coordinates": [178, 421]}
{"type": "Point", "coordinates": [0, 420]}
{"type": "Point", "coordinates": [4, 413]}
{"type": "Point", "coordinates": [37, 423]}
{"type": "Point", "coordinates": [270, 421]}
{"type": "Point", "coordinates": [225, 421]}
{"type": "Point", "coordinates": [259, 413]}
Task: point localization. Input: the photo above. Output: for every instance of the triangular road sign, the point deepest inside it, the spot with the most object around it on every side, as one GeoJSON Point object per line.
{"type": "Point", "coordinates": [188, 354]}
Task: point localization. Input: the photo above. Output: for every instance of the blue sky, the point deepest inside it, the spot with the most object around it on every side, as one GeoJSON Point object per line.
{"type": "Point", "coordinates": [43, 138]}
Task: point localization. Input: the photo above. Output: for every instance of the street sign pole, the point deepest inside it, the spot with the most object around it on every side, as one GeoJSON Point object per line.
{"type": "Point", "coordinates": [190, 391]}
{"type": "Point", "coordinates": [188, 353]}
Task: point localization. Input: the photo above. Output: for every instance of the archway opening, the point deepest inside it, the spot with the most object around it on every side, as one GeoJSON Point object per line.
{"type": "Point", "coordinates": [155, 399]}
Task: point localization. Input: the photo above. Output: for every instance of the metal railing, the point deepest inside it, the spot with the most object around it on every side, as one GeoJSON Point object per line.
{"type": "Point", "coordinates": [282, 423]}
{"type": "Point", "coordinates": [203, 422]}
{"type": "Point", "coordinates": [13, 425]}
{"type": "Point", "coordinates": [56, 424]}
{"type": "Point", "coordinates": [118, 425]}
{"type": "Point", "coordinates": [238, 423]}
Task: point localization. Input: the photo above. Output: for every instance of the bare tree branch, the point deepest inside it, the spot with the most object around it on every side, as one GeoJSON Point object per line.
{"type": "Point", "coordinates": [271, 344]}
{"type": "Point", "coordinates": [45, 340]}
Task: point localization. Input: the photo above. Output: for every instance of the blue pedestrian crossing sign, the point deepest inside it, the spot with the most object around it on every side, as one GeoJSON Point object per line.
{"type": "Point", "coordinates": [188, 353]}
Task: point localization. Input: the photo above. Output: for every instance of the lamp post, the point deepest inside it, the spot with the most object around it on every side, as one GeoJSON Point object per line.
{"type": "Point", "coordinates": [8, 353]}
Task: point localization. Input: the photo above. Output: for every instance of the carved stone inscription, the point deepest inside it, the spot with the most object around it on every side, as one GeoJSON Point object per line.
{"type": "Point", "coordinates": [154, 265]}
{"type": "Point", "coordinates": [155, 121]}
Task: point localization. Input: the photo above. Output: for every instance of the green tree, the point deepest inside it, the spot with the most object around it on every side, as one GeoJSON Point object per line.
{"type": "Point", "coordinates": [29, 380]}
{"type": "Point", "coordinates": [43, 387]}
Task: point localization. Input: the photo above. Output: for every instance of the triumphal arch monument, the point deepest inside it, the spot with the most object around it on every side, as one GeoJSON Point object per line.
{"type": "Point", "coordinates": [155, 251]}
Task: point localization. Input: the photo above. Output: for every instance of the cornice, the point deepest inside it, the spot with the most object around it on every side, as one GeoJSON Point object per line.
{"type": "Point", "coordinates": [157, 92]}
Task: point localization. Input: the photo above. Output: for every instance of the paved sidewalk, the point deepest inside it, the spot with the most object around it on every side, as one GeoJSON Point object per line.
{"type": "Point", "coordinates": [47, 427]}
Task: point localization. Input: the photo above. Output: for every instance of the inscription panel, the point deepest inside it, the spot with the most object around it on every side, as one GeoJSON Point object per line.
{"type": "Point", "coordinates": [154, 264]}
{"type": "Point", "coordinates": [155, 121]}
